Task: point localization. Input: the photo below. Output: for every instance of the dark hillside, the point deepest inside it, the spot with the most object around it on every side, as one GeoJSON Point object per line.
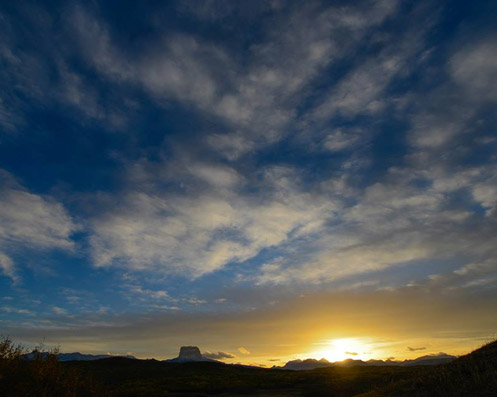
{"type": "Point", "coordinates": [474, 374]}
{"type": "Point", "coordinates": [150, 377]}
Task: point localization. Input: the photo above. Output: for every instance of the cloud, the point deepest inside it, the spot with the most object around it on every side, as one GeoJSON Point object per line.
{"type": "Point", "coordinates": [448, 111]}
{"type": "Point", "coordinates": [46, 73]}
{"type": "Point", "coordinates": [216, 176]}
{"type": "Point", "coordinates": [474, 68]}
{"type": "Point", "coordinates": [197, 234]}
{"type": "Point", "coordinates": [341, 140]}
{"type": "Point", "coordinates": [7, 267]}
{"type": "Point", "coordinates": [59, 311]}
{"type": "Point", "coordinates": [218, 355]}
{"type": "Point", "coordinates": [486, 194]}
{"type": "Point", "coordinates": [434, 130]}
{"type": "Point", "coordinates": [363, 90]}
{"type": "Point", "coordinates": [391, 224]}
{"type": "Point", "coordinates": [284, 67]}
{"type": "Point", "coordinates": [243, 350]}
{"type": "Point", "coordinates": [178, 66]}
{"type": "Point", "coordinates": [323, 232]}
{"type": "Point", "coordinates": [352, 353]}
{"type": "Point", "coordinates": [414, 214]}
{"type": "Point", "coordinates": [153, 294]}
{"type": "Point", "coordinates": [218, 10]}
{"type": "Point", "coordinates": [415, 349]}
{"type": "Point", "coordinates": [9, 309]}
{"type": "Point", "coordinates": [256, 101]}
{"type": "Point", "coordinates": [30, 221]}
{"type": "Point", "coordinates": [9, 118]}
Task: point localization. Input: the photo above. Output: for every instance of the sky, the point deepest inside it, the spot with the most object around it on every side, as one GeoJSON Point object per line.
{"type": "Point", "coordinates": [262, 179]}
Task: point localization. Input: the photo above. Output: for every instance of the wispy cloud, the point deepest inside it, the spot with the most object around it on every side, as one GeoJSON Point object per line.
{"type": "Point", "coordinates": [218, 355]}
{"type": "Point", "coordinates": [415, 349]}
{"type": "Point", "coordinates": [27, 218]}
{"type": "Point", "coordinates": [9, 309]}
{"type": "Point", "coordinates": [195, 236]}
{"type": "Point", "coordinates": [257, 102]}
{"type": "Point", "coordinates": [243, 350]}
{"type": "Point", "coordinates": [59, 311]}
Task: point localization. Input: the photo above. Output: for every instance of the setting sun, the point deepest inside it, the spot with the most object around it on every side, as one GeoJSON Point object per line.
{"type": "Point", "coordinates": [341, 349]}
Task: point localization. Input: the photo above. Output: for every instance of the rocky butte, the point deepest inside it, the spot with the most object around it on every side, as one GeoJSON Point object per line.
{"type": "Point", "coordinates": [189, 354]}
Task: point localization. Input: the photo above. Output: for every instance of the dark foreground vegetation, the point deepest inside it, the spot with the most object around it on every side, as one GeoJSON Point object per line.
{"type": "Point", "coordinates": [471, 375]}
{"type": "Point", "coordinates": [43, 376]}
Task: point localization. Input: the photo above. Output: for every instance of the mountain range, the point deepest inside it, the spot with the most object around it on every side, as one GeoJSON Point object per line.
{"type": "Point", "coordinates": [193, 354]}
{"type": "Point", "coordinates": [76, 356]}
{"type": "Point", "coordinates": [310, 363]}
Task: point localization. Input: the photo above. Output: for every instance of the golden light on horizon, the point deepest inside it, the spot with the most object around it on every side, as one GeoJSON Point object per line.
{"type": "Point", "coordinates": [341, 349]}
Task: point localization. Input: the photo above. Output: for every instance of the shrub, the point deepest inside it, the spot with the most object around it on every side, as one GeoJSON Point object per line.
{"type": "Point", "coordinates": [40, 373]}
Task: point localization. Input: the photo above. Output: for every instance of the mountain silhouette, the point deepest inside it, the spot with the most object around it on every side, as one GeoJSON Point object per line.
{"type": "Point", "coordinates": [310, 363]}
{"type": "Point", "coordinates": [190, 354]}
{"type": "Point", "coordinates": [76, 356]}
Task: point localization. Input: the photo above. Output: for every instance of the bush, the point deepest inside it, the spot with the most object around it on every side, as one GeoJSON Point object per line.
{"type": "Point", "coordinates": [40, 373]}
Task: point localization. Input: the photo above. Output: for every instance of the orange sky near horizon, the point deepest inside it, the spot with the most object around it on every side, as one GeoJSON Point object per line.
{"type": "Point", "coordinates": [399, 324]}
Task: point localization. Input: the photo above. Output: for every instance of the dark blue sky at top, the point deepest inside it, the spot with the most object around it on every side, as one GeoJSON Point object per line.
{"type": "Point", "coordinates": [61, 149]}
{"type": "Point", "coordinates": [132, 181]}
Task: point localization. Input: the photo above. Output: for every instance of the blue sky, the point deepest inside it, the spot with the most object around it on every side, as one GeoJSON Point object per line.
{"type": "Point", "coordinates": [203, 165]}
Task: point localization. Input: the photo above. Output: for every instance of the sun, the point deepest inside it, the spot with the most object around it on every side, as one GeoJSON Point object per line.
{"type": "Point", "coordinates": [341, 349]}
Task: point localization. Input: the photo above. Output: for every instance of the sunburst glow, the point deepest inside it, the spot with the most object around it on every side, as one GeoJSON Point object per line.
{"type": "Point", "coordinates": [341, 349]}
